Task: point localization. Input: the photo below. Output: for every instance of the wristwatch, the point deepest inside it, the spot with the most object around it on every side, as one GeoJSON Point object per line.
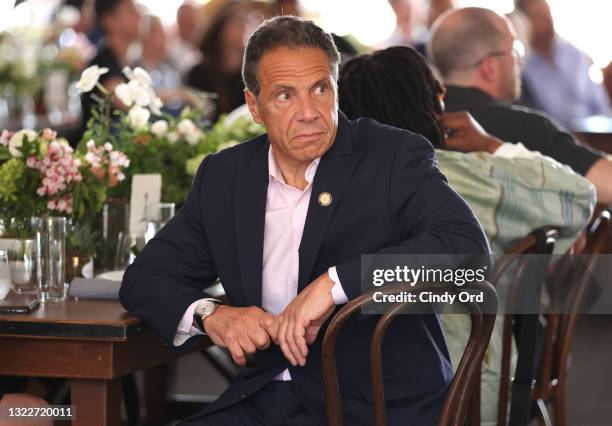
{"type": "Point", "coordinates": [204, 309]}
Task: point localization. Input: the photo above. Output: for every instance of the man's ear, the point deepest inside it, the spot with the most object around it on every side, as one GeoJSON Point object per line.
{"type": "Point", "coordinates": [488, 70]}
{"type": "Point", "coordinates": [251, 101]}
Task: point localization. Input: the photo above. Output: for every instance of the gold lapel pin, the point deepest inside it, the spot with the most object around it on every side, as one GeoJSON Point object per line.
{"type": "Point", "coordinates": [325, 199]}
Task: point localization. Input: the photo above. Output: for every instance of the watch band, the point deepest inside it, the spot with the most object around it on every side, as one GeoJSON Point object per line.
{"type": "Point", "coordinates": [198, 319]}
{"type": "Point", "coordinates": [198, 322]}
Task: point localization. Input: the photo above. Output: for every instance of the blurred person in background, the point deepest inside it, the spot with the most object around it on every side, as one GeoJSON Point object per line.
{"type": "Point", "coordinates": [474, 51]}
{"type": "Point", "coordinates": [165, 78]}
{"type": "Point", "coordinates": [287, 7]}
{"type": "Point", "coordinates": [556, 73]}
{"type": "Point", "coordinates": [222, 46]}
{"type": "Point", "coordinates": [408, 30]}
{"type": "Point", "coordinates": [184, 45]}
{"type": "Point", "coordinates": [437, 8]}
{"type": "Point", "coordinates": [404, 18]}
{"type": "Point", "coordinates": [120, 24]}
{"type": "Point", "coordinates": [607, 79]}
{"type": "Point", "coordinates": [510, 196]}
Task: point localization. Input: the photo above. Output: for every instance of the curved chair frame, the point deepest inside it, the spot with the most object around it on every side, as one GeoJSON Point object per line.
{"type": "Point", "coordinates": [457, 400]}
{"type": "Point", "coordinates": [528, 245]}
{"type": "Point", "coordinates": [560, 329]}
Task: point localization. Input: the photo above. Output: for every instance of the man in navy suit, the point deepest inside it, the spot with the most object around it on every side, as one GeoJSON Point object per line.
{"type": "Point", "coordinates": [282, 220]}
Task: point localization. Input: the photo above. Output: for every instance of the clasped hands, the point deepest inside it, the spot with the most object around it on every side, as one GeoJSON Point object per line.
{"type": "Point", "coordinates": [243, 331]}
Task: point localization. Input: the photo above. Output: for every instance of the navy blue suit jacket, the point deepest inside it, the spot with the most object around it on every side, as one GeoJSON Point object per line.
{"type": "Point", "coordinates": [388, 197]}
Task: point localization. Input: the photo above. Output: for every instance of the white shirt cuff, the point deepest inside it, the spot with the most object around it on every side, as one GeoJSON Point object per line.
{"type": "Point", "coordinates": [185, 328]}
{"type": "Point", "coordinates": [337, 291]}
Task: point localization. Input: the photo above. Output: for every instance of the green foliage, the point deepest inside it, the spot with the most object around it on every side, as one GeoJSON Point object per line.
{"type": "Point", "coordinates": [82, 239]}
{"type": "Point", "coordinates": [18, 186]}
{"type": "Point", "coordinates": [222, 136]}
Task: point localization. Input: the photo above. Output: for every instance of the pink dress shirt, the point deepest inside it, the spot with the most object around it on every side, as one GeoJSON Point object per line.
{"type": "Point", "coordinates": [286, 209]}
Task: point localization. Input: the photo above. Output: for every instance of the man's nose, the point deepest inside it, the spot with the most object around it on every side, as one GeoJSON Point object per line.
{"type": "Point", "coordinates": [306, 109]}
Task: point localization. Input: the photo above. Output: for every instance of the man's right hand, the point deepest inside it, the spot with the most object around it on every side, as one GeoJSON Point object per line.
{"type": "Point", "coordinates": [241, 330]}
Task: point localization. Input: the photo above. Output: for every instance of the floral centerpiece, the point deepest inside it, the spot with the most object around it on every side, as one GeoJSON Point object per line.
{"type": "Point", "coordinates": [41, 174]}
{"type": "Point", "coordinates": [131, 118]}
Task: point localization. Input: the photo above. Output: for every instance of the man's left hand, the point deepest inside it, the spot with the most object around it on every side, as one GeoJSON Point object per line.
{"type": "Point", "coordinates": [465, 134]}
{"type": "Point", "coordinates": [298, 325]}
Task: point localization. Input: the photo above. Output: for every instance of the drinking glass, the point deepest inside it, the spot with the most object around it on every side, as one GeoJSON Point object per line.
{"type": "Point", "coordinates": [156, 216]}
{"type": "Point", "coordinates": [51, 258]}
{"type": "Point", "coordinates": [22, 264]}
{"type": "Point", "coordinates": [5, 275]}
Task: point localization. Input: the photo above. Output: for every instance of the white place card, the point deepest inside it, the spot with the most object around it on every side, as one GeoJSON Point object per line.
{"type": "Point", "coordinates": [146, 189]}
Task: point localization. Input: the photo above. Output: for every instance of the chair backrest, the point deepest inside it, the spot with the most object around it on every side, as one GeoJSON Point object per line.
{"type": "Point", "coordinates": [560, 327]}
{"type": "Point", "coordinates": [540, 241]}
{"type": "Point", "coordinates": [596, 238]}
{"type": "Point", "coordinates": [455, 407]}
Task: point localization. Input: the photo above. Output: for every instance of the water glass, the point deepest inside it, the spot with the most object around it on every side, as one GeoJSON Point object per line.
{"type": "Point", "coordinates": [5, 275]}
{"type": "Point", "coordinates": [22, 264]}
{"type": "Point", "coordinates": [156, 216]}
{"type": "Point", "coordinates": [51, 258]}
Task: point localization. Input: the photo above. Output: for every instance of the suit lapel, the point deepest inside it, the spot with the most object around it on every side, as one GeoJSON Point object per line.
{"type": "Point", "coordinates": [333, 173]}
{"type": "Point", "coordinates": [251, 193]}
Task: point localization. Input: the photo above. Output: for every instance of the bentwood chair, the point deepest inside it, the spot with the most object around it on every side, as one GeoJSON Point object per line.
{"type": "Point", "coordinates": [458, 397]}
{"type": "Point", "coordinates": [550, 387]}
{"type": "Point", "coordinates": [540, 241]}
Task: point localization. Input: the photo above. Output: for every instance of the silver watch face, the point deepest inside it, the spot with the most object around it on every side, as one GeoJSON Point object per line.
{"type": "Point", "coordinates": [205, 308]}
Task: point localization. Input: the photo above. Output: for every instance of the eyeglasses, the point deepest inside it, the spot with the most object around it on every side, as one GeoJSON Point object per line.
{"type": "Point", "coordinates": [517, 49]}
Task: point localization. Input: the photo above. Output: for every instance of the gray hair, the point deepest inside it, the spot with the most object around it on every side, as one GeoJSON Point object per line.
{"type": "Point", "coordinates": [290, 32]}
{"type": "Point", "coordinates": [458, 45]}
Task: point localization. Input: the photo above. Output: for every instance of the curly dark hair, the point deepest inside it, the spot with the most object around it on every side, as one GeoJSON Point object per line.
{"type": "Point", "coordinates": [394, 86]}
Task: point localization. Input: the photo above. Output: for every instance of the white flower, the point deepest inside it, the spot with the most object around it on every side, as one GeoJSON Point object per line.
{"type": "Point", "coordinates": [108, 146]}
{"type": "Point", "coordinates": [186, 127]}
{"type": "Point", "coordinates": [16, 141]}
{"type": "Point", "coordinates": [89, 78]}
{"type": "Point", "coordinates": [127, 72]}
{"type": "Point", "coordinates": [139, 117]}
{"type": "Point", "coordinates": [173, 137]}
{"type": "Point", "coordinates": [133, 93]}
{"type": "Point", "coordinates": [159, 128]}
{"type": "Point", "coordinates": [141, 76]}
{"type": "Point", "coordinates": [156, 105]}
{"type": "Point", "coordinates": [141, 95]}
{"type": "Point", "coordinates": [194, 137]}
{"type": "Point", "coordinates": [91, 144]}
{"type": "Point", "coordinates": [124, 93]}
{"type": "Point", "coordinates": [137, 75]}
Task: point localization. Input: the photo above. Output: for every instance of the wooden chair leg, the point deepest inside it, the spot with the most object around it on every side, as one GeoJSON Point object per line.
{"type": "Point", "coordinates": [474, 408]}
{"type": "Point", "coordinates": [559, 405]}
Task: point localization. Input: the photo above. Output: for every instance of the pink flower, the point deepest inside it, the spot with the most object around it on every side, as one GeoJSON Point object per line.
{"type": "Point", "coordinates": [62, 205]}
{"type": "Point", "coordinates": [41, 191]}
{"type": "Point", "coordinates": [48, 134]}
{"type": "Point", "coordinates": [31, 162]}
{"type": "Point", "coordinates": [51, 205]}
{"type": "Point", "coordinates": [5, 136]}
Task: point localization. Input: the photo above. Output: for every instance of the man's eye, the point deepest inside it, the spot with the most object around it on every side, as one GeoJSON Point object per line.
{"type": "Point", "coordinates": [321, 89]}
{"type": "Point", "coordinates": [283, 96]}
